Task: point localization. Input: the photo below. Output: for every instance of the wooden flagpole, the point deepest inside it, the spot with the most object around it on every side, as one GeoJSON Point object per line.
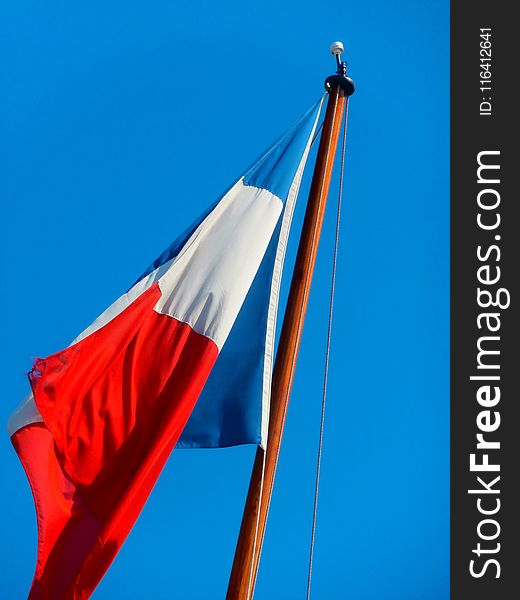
{"type": "Point", "coordinates": [247, 554]}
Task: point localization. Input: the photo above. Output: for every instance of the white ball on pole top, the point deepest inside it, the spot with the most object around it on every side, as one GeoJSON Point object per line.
{"type": "Point", "coordinates": [336, 48]}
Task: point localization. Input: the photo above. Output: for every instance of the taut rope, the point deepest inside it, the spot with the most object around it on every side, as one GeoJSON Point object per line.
{"type": "Point", "coordinates": [327, 355]}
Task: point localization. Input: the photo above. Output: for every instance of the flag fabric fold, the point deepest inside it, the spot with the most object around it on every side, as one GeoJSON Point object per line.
{"type": "Point", "coordinates": [184, 358]}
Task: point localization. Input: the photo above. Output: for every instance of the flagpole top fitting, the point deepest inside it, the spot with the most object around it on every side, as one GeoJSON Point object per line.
{"type": "Point", "coordinates": [340, 78]}
{"type": "Point", "coordinates": [337, 49]}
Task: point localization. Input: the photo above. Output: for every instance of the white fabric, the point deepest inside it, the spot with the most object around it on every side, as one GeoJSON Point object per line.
{"type": "Point", "coordinates": [209, 280]}
{"type": "Point", "coordinates": [26, 413]}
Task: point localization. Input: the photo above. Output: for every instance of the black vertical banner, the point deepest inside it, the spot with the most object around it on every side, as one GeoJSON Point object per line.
{"type": "Point", "coordinates": [485, 268]}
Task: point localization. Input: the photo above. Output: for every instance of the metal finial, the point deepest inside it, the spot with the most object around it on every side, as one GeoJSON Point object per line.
{"type": "Point", "coordinates": [337, 49]}
{"type": "Point", "coordinates": [341, 79]}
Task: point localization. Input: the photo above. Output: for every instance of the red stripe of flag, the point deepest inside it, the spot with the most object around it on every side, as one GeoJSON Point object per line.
{"type": "Point", "coordinates": [113, 405]}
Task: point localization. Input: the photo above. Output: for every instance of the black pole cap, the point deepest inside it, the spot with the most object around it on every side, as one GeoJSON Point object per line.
{"type": "Point", "coordinates": [342, 81]}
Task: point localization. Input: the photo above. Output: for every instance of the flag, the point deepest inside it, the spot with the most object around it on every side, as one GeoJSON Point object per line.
{"type": "Point", "coordinates": [183, 357]}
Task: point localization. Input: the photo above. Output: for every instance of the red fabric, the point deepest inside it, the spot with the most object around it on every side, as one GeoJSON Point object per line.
{"type": "Point", "coordinates": [113, 405]}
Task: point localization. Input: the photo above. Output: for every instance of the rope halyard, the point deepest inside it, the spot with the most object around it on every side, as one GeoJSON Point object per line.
{"type": "Point", "coordinates": [250, 591]}
{"type": "Point", "coordinates": [327, 356]}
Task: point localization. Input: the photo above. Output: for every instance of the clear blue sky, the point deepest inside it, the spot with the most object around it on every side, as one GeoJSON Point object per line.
{"type": "Point", "coordinates": [120, 122]}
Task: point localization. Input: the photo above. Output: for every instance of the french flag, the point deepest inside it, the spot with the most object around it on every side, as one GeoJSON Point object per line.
{"type": "Point", "coordinates": [184, 358]}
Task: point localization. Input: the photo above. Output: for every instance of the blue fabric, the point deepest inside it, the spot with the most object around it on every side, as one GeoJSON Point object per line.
{"type": "Point", "coordinates": [229, 409]}
{"type": "Point", "coordinates": [276, 168]}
